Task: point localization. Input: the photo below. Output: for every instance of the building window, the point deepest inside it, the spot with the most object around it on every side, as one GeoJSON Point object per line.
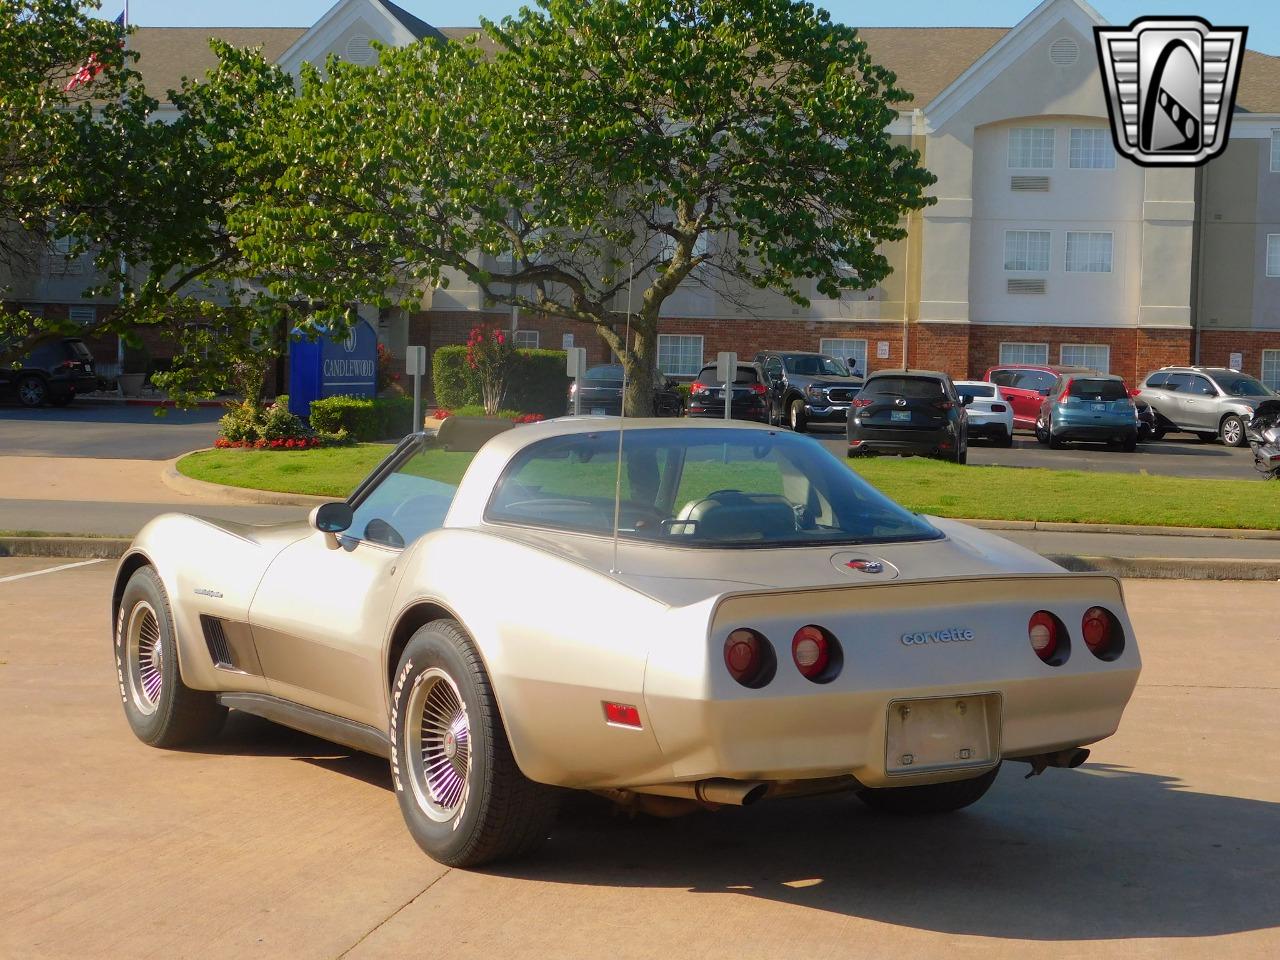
{"type": "Point", "coordinates": [1095, 356]}
{"type": "Point", "coordinates": [668, 246]}
{"type": "Point", "coordinates": [1271, 368]}
{"type": "Point", "coordinates": [1033, 353]}
{"type": "Point", "coordinates": [1273, 254]}
{"type": "Point", "coordinates": [83, 315]}
{"type": "Point", "coordinates": [1026, 250]}
{"type": "Point", "coordinates": [679, 355]}
{"type": "Point", "coordinates": [1092, 149]}
{"type": "Point", "coordinates": [852, 352]}
{"type": "Point", "coordinates": [1031, 148]}
{"type": "Point", "coordinates": [525, 339]}
{"type": "Point", "coordinates": [1275, 151]}
{"type": "Point", "coordinates": [1088, 252]}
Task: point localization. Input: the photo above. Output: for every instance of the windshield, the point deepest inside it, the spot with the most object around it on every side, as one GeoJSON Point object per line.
{"type": "Point", "coordinates": [1240, 385]}
{"type": "Point", "coordinates": [1108, 390]}
{"type": "Point", "coordinates": [815, 365]}
{"type": "Point", "coordinates": [699, 488]}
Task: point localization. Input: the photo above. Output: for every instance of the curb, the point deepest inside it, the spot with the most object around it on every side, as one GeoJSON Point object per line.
{"type": "Point", "coordinates": [141, 402]}
{"type": "Point", "coordinates": [76, 548]}
{"type": "Point", "coordinates": [222, 493]}
{"type": "Point", "coordinates": [1170, 568]}
{"type": "Point", "coordinates": [1053, 526]}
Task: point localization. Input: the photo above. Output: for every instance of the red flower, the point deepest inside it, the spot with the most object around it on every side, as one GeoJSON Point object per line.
{"type": "Point", "coordinates": [260, 444]}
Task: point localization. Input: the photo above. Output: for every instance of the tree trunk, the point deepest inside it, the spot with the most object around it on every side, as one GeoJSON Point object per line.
{"type": "Point", "coordinates": [639, 363]}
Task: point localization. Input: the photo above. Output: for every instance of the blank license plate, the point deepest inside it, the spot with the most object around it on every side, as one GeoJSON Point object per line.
{"type": "Point", "coordinates": [900, 416]}
{"type": "Point", "coordinates": [1100, 407]}
{"type": "Point", "coordinates": [597, 411]}
{"type": "Point", "coordinates": [942, 733]}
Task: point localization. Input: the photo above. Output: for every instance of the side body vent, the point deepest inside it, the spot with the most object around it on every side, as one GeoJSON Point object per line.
{"type": "Point", "coordinates": [1029, 184]}
{"type": "Point", "coordinates": [1027, 286]}
{"type": "Point", "coordinates": [216, 639]}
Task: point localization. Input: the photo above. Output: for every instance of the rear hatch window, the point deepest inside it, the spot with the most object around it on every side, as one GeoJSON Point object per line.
{"type": "Point", "coordinates": [78, 350]}
{"type": "Point", "coordinates": [744, 375]}
{"type": "Point", "coordinates": [911, 388]}
{"type": "Point", "coordinates": [1097, 390]}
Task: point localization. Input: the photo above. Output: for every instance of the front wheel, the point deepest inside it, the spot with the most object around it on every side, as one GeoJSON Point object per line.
{"type": "Point", "coordinates": [162, 710]}
{"type": "Point", "coordinates": [795, 416]}
{"type": "Point", "coordinates": [1232, 431]}
{"type": "Point", "coordinates": [463, 797]}
{"type": "Point", "coordinates": [931, 798]}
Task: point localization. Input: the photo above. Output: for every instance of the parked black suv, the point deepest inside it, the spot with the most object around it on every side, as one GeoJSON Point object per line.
{"type": "Point", "coordinates": [602, 393]}
{"type": "Point", "coordinates": [807, 387]}
{"type": "Point", "coordinates": [53, 372]}
{"type": "Point", "coordinates": [914, 412]}
{"type": "Point", "coordinates": [706, 396]}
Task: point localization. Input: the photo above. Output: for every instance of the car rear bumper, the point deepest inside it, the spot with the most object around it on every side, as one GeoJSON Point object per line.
{"type": "Point", "coordinates": [755, 410]}
{"type": "Point", "coordinates": [72, 386]}
{"type": "Point", "coordinates": [1096, 432]}
{"type": "Point", "coordinates": [919, 442]}
{"type": "Point", "coordinates": [989, 428]}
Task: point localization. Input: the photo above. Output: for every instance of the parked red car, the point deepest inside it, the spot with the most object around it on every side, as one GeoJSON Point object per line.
{"type": "Point", "coordinates": [1025, 385]}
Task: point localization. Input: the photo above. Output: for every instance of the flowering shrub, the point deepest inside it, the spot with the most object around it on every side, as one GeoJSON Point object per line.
{"type": "Point", "coordinates": [441, 414]}
{"type": "Point", "coordinates": [530, 418]}
{"type": "Point", "coordinates": [245, 425]}
{"type": "Point", "coordinates": [386, 375]}
{"type": "Point", "coordinates": [491, 355]}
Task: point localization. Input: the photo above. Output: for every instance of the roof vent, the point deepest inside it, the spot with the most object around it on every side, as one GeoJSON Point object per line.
{"type": "Point", "coordinates": [1026, 286]}
{"type": "Point", "coordinates": [1063, 52]}
{"type": "Point", "coordinates": [359, 50]}
{"type": "Point", "coordinates": [1029, 184]}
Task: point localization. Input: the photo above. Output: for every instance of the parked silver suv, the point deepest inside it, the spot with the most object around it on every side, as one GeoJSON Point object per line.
{"type": "Point", "coordinates": [1211, 402]}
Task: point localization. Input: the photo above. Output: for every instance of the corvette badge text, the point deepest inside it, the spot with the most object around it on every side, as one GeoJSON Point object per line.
{"type": "Point", "coordinates": [950, 635]}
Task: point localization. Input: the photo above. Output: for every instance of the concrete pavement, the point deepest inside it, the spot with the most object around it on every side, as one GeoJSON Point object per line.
{"type": "Point", "coordinates": [270, 844]}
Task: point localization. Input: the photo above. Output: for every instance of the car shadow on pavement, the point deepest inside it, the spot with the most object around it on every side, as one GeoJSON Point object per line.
{"type": "Point", "coordinates": [1103, 853]}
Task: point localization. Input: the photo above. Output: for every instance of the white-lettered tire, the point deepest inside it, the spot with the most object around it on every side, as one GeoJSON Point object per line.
{"type": "Point", "coordinates": [463, 797]}
{"type": "Point", "coordinates": [162, 710]}
{"type": "Point", "coordinates": [931, 798]}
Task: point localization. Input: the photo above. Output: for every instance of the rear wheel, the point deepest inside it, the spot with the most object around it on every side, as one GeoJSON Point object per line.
{"type": "Point", "coordinates": [32, 391]}
{"type": "Point", "coordinates": [1005, 440]}
{"type": "Point", "coordinates": [932, 798]}
{"type": "Point", "coordinates": [162, 710]}
{"type": "Point", "coordinates": [1232, 431]}
{"type": "Point", "coordinates": [1206, 437]}
{"type": "Point", "coordinates": [1055, 443]}
{"type": "Point", "coordinates": [795, 415]}
{"type": "Point", "coordinates": [1130, 444]}
{"type": "Point", "coordinates": [463, 797]}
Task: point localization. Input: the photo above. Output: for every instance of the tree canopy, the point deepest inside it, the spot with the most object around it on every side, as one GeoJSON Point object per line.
{"type": "Point", "coordinates": [592, 154]}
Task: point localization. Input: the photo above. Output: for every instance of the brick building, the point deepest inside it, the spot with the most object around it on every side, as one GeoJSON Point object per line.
{"type": "Point", "coordinates": [1044, 243]}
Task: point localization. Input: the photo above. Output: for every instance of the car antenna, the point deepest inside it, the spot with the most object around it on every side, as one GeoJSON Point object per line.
{"type": "Point", "coordinates": [622, 418]}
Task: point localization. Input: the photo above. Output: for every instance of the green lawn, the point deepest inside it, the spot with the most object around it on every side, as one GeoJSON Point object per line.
{"type": "Point", "coordinates": [925, 486]}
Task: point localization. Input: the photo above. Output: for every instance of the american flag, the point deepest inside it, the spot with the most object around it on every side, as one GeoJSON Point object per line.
{"type": "Point", "coordinates": [93, 66]}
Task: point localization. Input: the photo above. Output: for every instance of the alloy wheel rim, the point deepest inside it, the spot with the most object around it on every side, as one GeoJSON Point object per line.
{"type": "Point", "coordinates": [439, 745]}
{"type": "Point", "coordinates": [1231, 432]}
{"type": "Point", "coordinates": [144, 654]}
{"type": "Point", "coordinates": [30, 392]}
{"type": "Point", "coordinates": [795, 415]}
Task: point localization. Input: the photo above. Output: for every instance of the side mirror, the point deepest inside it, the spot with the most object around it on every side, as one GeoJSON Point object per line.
{"type": "Point", "coordinates": [332, 518]}
{"type": "Point", "coordinates": [966, 399]}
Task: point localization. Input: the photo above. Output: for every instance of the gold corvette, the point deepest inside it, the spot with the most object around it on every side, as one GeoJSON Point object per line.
{"type": "Point", "coordinates": [674, 615]}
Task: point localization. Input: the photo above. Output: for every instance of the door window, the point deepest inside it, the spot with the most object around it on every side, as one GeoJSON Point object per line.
{"type": "Point", "coordinates": [1200, 386]}
{"type": "Point", "coordinates": [406, 504]}
{"type": "Point", "coordinates": [1179, 383]}
{"type": "Point", "coordinates": [1035, 380]}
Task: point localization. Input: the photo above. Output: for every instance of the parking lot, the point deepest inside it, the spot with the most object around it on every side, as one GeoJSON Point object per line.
{"type": "Point", "coordinates": [271, 844]}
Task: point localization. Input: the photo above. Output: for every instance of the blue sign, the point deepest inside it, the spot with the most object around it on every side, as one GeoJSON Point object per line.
{"type": "Point", "coordinates": [328, 367]}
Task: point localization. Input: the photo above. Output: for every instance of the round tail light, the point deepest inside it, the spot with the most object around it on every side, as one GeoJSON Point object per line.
{"type": "Point", "coordinates": [1102, 632]}
{"type": "Point", "coordinates": [810, 651]}
{"type": "Point", "coordinates": [749, 658]}
{"type": "Point", "coordinates": [1048, 637]}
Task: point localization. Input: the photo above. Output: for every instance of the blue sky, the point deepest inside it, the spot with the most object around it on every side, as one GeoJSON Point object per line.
{"type": "Point", "coordinates": [1261, 16]}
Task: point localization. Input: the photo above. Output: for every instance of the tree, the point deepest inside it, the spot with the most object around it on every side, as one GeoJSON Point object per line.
{"type": "Point", "coordinates": [146, 200]}
{"type": "Point", "coordinates": [585, 164]}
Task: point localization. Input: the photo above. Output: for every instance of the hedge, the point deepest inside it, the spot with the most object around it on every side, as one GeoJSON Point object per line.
{"type": "Point", "coordinates": [363, 418]}
{"type": "Point", "coordinates": [538, 384]}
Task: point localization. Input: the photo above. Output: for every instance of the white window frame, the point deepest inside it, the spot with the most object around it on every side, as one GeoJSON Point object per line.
{"type": "Point", "coordinates": [1028, 144]}
{"type": "Point", "coordinates": [1023, 254]}
{"type": "Point", "coordinates": [526, 339]}
{"type": "Point", "coordinates": [1104, 367]}
{"type": "Point", "coordinates": [1041, 348]}
{"type": "Point", "coordinates": [845, 348]}
{"type": "Point", "coordinates": [667, 245]}
{"type": "Point", "coordinates": [1269, 373]}
{"type": "Point", "coordinates": [1091, 237]}
{"type": "Point", "coordinates": [87, 314]}
{"type": "Point", "coordinates": [1273, 254]}
{"type": "Point", "coordinates": [1101, 148]}
{"type": "Point", "coordinates": [1275, 151]}
{"type": "Point", "coordinates": [678, 343]}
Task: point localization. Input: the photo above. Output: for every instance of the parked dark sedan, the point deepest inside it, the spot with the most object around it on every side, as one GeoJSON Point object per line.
{"type": "Point", "coordinates": [602, 393]}
{"type": "Point", "coordinates": [911, 412]}
{"type": "Point", "coordinates": [706, 396]}
{"type": "Point", "coordinates": [54, 372]}
{"type": "Point", "coordinates": [806, 388]}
